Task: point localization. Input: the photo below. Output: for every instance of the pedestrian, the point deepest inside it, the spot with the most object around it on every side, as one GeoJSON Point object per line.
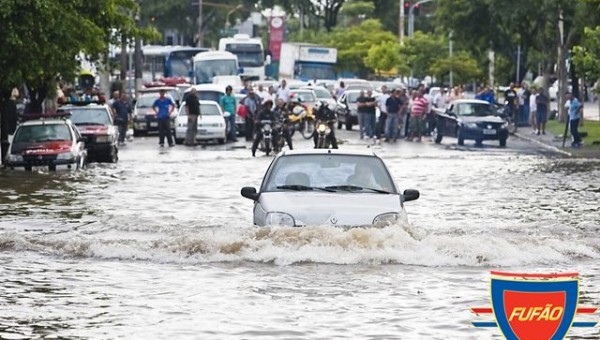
{"type": "Point", "coordinates": [360, 113]}
{"type": "Point", "coordinates": [283, 92]}
{"type": "Point", "coordinates": [393, 105]}
{"type": "Point", "coordinates": [366, 107]}
{"type": "Point", "coordinates": [270, 95]}
{"type": "Point", "coordinates": [114, 98]}
{"type": "Point", "coordinates": [404, 114]}
{"type": "Point", "coordinates": [252, 103]}
{"type": "Point", "coordinates": [541, 108]}
{"type": "Point", "coordinates": [523, 96]}
{"type": "Point", "coordinates": [418, 116]}
{"type": "Point", "coordinates": [340, 90]}
{"type": "Point", "coordinates": [439, 100]}
{"type": "Point", "coordinates": [511, 103]}
{"type": "Point", "coordinates": [122, 111]}
{"type": "Point", "coordinates": [192, 108]}
{"type": "Point", "coordinates": [383, 112]}
{"type": "Point", "coordinates": [575, 109]}
{"type": "Point", "coordinates": [229, 104]}
{"type": "Point", "coordinates": [163, 107]}
{"type": "Point", "coordinates": [533, 110]}
{"type": "Point", "coordinates": [262, 93]}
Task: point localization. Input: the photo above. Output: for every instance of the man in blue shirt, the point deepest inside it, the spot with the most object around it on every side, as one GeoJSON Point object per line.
{"type": "Point", "coordinates": [163, 107]}
{"type": "Point", "coordinates": [229, 103]}
{"type": "Point", "coordinates": [575, 108]}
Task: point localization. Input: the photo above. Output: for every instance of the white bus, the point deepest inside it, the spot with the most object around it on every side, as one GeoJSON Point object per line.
{"type": "Point", "coordinates": [250, 53]}
{"type": "Point", "coordinates": [211, 64]}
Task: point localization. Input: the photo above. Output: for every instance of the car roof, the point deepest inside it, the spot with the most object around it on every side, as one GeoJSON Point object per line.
{"type": "Point", "coordinates": [469, 101]}
{"type": "Point", "coordinates": [206, 102]}
{"type": "Point", "coordinates": [158, 88]}
{"type": "Point", "coordinates": [85, 107]}
{"type": "Point", "coordinates": [207, 87]}
{"type": "Point", "coordinates": [45, 121]}
{"type": "Point", "coordinates": [326, 152]}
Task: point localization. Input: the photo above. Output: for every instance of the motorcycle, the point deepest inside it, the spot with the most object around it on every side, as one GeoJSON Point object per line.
{"type": "Point", "coordinates": [301, 119]}
{"type": "Point", "coordinates": [506, 113]}
{"type": "Point", "coordinates": [267, 140]}
{"type": "Point", "coordinates": [279, 130]}
{"type": "Point", "coordinates": [324, 135]}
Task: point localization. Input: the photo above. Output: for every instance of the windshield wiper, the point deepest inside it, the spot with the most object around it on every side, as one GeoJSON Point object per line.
{"type": "Point", "coordinates": [299, 187]}
{"type": "Point", "coordinates": [355, 188]}
{"type": "Point", "coordinates": [90, 123]}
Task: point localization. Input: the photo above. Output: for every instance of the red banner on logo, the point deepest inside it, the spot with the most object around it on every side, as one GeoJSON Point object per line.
{"type": "Point", "coordinates": [276, 36]}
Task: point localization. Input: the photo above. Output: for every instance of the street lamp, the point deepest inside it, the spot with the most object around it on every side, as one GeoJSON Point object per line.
{"type": "Point", "coordinates": [411, 16]}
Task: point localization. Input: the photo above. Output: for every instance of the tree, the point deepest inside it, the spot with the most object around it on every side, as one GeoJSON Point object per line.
{"type": "Point", "coordinates": [385, 57]}
{"type": "Point", "coordinates": [464, 68]}
{"type": "Point", "coordinates": [325, 11]}
{"type": "Point", "coordinates": [422, 50]}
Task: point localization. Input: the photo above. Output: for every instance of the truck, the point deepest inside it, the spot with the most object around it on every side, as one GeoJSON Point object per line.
{"type": "Point", "coordinates": [250, 54]}
{"type": "Point", "coordinates": [307, 62]}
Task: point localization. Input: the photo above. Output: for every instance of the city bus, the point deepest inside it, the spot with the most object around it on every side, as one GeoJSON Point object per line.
{"type": "Point", "coordinates": [250, 54]}
{"type": "Point", "coordinates": [209, 65]}
{"type": "Point", "coordinates": [168, 61]}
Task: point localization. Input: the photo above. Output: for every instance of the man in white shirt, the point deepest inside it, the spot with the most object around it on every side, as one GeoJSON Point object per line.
{"type": "Point", "coordinates": [379, 131]}
{"type": "Point", "coordinates": [283, 92]}
{"type": "Point", "coordinates": [270, 95]}
{"type": "Point", "coordinates": [439, 100]}
{"type": "Point", "coordinates": [261, 93]}
{"type": "Point", "coordinates": [533, 110]}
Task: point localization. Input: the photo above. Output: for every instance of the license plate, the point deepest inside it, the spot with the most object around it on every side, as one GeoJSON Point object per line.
{"type": "Point", "coordinates": [489, 132]}
{"type": "Point", "coordinates": [153, 124]}
{"type": "Point", "coordinates": [202, 132]}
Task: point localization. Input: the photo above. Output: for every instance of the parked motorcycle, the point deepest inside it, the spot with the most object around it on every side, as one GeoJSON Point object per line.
{"type": "Point", "coordinates": [301, 119]}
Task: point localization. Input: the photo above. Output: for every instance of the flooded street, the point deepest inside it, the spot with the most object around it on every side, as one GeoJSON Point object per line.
{"type": "Point", "coordinates": [161, 245]}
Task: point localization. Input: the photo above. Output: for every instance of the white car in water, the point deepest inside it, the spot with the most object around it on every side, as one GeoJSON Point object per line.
{"type": "Point", "coordinates": [328, 187]}
{"type": "Point", "coordinates": [211, 123]}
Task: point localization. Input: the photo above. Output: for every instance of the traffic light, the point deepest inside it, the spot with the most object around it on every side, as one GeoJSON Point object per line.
{"type": "Point", "coordinates": [406, 7]}
{"type": "Point", "coordinates": [417, 8]}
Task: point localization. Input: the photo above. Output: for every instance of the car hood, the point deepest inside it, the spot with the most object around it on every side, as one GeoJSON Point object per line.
{"type": "Point", "coordinates": [42, 148]}
{"type": "Point", "coordinates": [322, 208]}
{"type": "Point", "coordinates": [482, 119]}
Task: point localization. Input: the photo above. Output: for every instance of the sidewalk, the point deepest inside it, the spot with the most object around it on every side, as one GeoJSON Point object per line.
{"type": "Point", "coordinates": [548, 141]}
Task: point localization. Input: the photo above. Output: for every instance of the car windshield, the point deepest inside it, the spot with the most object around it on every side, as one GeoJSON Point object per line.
{"type": "Point", "coordinates": [205, 70]}
{"type": "Point", "coordinates": [306, 97]}
{"type": "Point", "coordinates": [83, 116]}
{"type": "Point", "coordinates": [322, 93]}
{"type": "Point", "coordinates": [475, 109]}
{"type": "Point", "coordinates": [205, 110]}
{"type": "Point", "coordinates": [214, 96]}
{"type": "Point", "coordinates": [326, 172]}
{"type": "Point", "coordinates": [353, 96]}
{"type": "Point", "coordinates": [42, 133]}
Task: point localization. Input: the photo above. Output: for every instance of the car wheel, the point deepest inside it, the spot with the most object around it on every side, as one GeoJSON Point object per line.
{"type": "Point", "coordinates": [461, 137]}
{"type": "Point", "coordinates": [28, 168]}
{"type": "Point", "coordinates": [52, 167]}
{"type": "Point", "coordinates": [137, 133]}
{"type": "Point", "coordinates": [348, 126]}
{"type": "Point", "coordinates": [178, 141]}
{"type": "Point", "coordinates": [221, 141]}
{"type": "Point", "coordinates": [478, 142]}
{"type": "Point", "coordinates": [339, 125]}
{"type": "Point", "coordinates": [503, 142]}
{"type": "Point", "coordinates": [436, 136]}
{"type": "Point", "coordinates": [113, 157]}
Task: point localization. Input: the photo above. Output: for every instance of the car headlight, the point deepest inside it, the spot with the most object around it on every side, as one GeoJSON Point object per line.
{"type": "Point", "coordinates": [386, 219]}
{"type": "Point", "coordinates": [471, 125]}
{"type": "Point", "coordinates": [14, 158]}
{"type": "Point", "coordinates": [66, 156]}
{"type": "Point", "coordinates": [103, 139]}
{"type": "Point", "coordinates": [279, 218]}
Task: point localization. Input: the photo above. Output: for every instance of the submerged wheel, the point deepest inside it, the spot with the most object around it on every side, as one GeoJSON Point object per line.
{"type": "Point", "coordinates": [503, 142]}
{"type": "Point", "coordinates": [436, 136]}
{"type": "Point", "coordinates": [461, 138]}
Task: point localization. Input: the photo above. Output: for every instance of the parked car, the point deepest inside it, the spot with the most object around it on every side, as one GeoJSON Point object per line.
{"type": "Point", "coordinates": [214, 93]}
{"type": "Point", "coordinates": [328, 187]}
{"type": "Point", "coordinates": [211, 125]}
{"type": "Point", "coordinates": [144, 117]}
{"type": "Point", "coordinates": [470, 119]}
{"type": "Point", "coordinates": [95, 123]}
{"type": "Point", "coordinates": [323, 95]}
{"type": "Point", "coordinates": [553, 90]}
{"type": "Point", "coordinates": [347, 109]}
{"type": "Point", "coordinates": [47, 141]}
{"type": "Point", "coordinates": [171, 91]}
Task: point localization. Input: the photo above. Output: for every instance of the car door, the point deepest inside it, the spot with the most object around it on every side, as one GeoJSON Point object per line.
{"type": "Point", "coordinates": [446, 122]}
{"type": "Point", "coordinates": [342, 107]}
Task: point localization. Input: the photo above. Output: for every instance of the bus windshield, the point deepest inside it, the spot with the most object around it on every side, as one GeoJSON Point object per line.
{"type": "Point", "coordinates": [179, 63]}
{"type": "Point", "coordinates": [205, 70]}
{"type": "Point", "coordinates": [249, 55]}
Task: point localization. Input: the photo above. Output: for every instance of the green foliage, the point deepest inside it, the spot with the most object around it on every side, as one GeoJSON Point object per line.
{"type": "Point", "coordinates": [422, 50]}
{"type": "Point", "coordinates": [463, 66]}
{"type": "Point", "coordinates": [41, 39]}
{"type": "Point", "coordinates": [383, 57]}
{"type": "Point", "coordinates": [353, 9]}
{"type": "Point", "coordinates": [587, 55]}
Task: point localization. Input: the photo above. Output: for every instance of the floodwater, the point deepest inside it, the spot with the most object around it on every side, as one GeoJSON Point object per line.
{"type": "Point", "coordinates": [161, 245]}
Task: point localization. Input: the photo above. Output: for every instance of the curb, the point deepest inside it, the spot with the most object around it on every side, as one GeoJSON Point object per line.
{"type": "Point", "coordinates": [542, 144]}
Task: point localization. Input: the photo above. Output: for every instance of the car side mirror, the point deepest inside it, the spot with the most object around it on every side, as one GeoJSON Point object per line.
{"type": "Point", "coordinates": [250, 193]}
{"type": "Point", "coordinates": [411, 195]}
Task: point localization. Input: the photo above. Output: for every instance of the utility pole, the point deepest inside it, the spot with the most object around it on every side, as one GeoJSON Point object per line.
{"type": "Point", "coordinates": [138, 55]}
{"type": "Point", "coordinates": [401, 23]}
{"type": "Point", "coordinates": [518, 64]}
{"type": "Point", "coordinates": [200, 33]}
{"type": "Point", "coordinates": [451, 53]}
{"type": "Point", "coordinates": [411, 16]}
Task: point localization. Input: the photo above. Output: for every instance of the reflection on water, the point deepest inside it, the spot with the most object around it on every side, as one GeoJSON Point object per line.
{"type": "Point", "coordinates": [148, 247]}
